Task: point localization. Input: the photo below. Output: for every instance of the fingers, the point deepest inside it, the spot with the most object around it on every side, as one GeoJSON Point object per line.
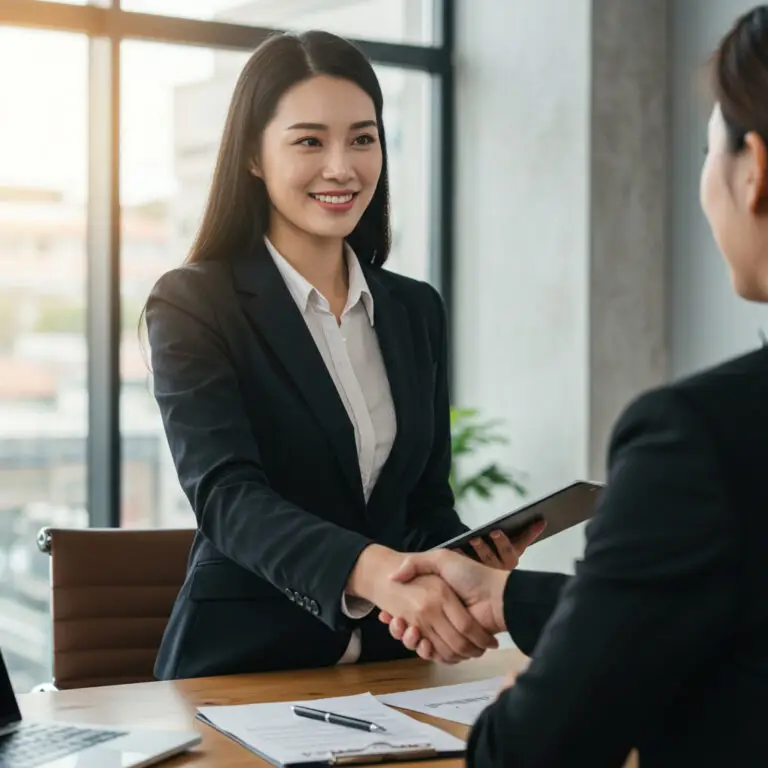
{"type": "Point", "coordinates": [528, 536]}
{"type": "Point", "coordinates": [486, 554]}
{"type": "Point", "coordinates": [508, 552]}
{"type": "Point", "coordinates": [416, 565]}
{"type": "Point", "coordinates": [398, 628]}
{"type": "Point", "coordinates": [384, 617]}
{"type": "Point", "coordinates": [427, 652]}
{"type": "Point", "coordinates": [456, 628]}
{"type": "Point", "coordinates": [436, 635]}
{"type": "Point", "coordinates": [411, 638]}
{"type": "Point", "coordinates": [468, 628]}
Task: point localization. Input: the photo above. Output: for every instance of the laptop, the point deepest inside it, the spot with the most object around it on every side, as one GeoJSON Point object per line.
{"type": "Point", "coordinates": [60, 745]}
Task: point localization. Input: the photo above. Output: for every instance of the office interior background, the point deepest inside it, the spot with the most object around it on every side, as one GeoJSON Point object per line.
{"type": "Point", "coordinates": [544, 165]}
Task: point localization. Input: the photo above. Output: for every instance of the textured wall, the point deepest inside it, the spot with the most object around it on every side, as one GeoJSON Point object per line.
{"type": "Point", "coordinates": [561, 229]}
{"type": "Point", "coordinates": [629, 209]}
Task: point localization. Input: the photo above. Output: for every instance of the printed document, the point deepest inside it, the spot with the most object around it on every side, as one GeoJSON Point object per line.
{"type": "Point", "coordinates": [460, 703]}
{"type": "Point", "coordinates": [277, 734]}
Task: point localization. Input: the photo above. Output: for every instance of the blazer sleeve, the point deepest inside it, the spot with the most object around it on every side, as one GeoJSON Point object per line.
{"type": "Point", "coordinates": [432, 518]}
{"type": "Point", "coordinates": [217, 456]}
{"type": "Point", "coordinates": [651, 603]}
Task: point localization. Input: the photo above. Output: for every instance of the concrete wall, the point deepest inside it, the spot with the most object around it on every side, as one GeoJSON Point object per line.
{"type": "Point", "coordinates": [561, 231]}
{"type": "Point", "coordinates": [708, 322]}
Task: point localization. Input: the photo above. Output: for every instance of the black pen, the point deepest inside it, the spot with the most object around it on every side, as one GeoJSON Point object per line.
{"type": "Point", "coordinates": [330, 717]}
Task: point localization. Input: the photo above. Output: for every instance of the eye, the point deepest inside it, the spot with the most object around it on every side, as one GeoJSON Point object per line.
{"type": "Point", "coordinates": [309, 141]}
{"type": "Point", "coordinates": [365, 139]}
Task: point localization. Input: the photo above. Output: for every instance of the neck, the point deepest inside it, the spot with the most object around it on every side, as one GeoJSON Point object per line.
{"type": "Point", "coordinates": [319, 260]}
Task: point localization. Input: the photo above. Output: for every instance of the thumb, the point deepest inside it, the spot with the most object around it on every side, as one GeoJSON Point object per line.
{"type": "Point", "coordinates": [413, 566]}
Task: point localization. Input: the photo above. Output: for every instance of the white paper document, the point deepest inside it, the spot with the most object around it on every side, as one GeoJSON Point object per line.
{"type": "Point", "coordinates": [277, 734]}
{"type": "Point", "coordinates": [461, 703]}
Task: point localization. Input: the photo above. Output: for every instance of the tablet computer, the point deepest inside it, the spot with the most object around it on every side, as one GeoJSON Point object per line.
{"type": "Point", "coordinates": [562, 509]}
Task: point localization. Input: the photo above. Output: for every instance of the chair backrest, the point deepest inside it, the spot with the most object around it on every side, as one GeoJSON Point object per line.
{"type": "Point", "coordinates": [112, 591]}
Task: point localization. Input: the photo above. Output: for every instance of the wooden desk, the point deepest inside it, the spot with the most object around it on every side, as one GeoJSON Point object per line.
{"type": "Point", "coordinates": [171, 705]}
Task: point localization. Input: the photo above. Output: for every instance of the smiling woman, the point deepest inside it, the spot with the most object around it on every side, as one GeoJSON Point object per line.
{"type": "Point", "coordinates": [303, 388]}
{"type": "Point", "coordinates": [305, 119]}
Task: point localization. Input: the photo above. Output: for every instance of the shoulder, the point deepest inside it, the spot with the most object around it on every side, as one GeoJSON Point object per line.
{"type": "Point", "coordinates": [190, 299]}
{"type": "Point", "coordinates": [723, 404]}
{"type": "Point", "coordinates": [418, 296]}
{"type": "Point", "coordinates": [192, 282]}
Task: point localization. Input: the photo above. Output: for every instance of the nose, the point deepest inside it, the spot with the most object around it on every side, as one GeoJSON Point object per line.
{"type": "Point", "coordinates": [338, 165]}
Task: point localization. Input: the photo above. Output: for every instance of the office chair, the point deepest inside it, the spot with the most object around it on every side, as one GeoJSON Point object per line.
{"type": "Point", "coordinates": [112, 591]}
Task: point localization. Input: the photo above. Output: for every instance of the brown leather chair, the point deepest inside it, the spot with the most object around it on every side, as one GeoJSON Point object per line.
{"type": "Point", "coordinates": [112, 591]}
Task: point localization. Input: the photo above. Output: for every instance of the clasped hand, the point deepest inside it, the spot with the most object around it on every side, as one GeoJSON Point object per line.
{"type": "Point", "coordinates": [459, 609]}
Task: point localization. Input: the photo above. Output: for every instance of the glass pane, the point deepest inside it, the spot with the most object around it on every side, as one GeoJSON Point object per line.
{"type": "Point", "coordinates": [43, 388]}
{"type": "Point", "coordinates": [400, 21]}
{"type": "Point", "coordinates": [407, 120]}
{"type": "Point", "coordinates": [166, 163]}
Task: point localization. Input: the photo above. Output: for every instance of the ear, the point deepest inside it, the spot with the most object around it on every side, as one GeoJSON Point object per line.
{"type": "Point", "coordinates": [254, 169]}
{"type": "Point", "coordinates": [758, 176]}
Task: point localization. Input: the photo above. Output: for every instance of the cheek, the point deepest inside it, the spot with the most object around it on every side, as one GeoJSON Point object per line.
{"type": "Point", "coordinates": [706, 191]}
{"type": "Point", "coordinates": [714, 199]}
{"type": "Point", "coordinates": [369, 170]}
{"type": "Point", "coordinates": [288, 179]}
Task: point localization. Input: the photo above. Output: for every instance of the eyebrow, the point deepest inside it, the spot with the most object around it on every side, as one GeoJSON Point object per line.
{"type": "Point", "coordinates": [322, 127]}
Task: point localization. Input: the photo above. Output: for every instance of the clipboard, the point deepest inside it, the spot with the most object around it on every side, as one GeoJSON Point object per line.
{"type": "Point", "coordinates": [409, 740]}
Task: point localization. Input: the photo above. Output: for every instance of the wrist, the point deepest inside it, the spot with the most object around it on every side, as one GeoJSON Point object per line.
{"type": "Point", "coordinates": [496, 596]}
{"type": "Point", "coordinates": [366, 575]}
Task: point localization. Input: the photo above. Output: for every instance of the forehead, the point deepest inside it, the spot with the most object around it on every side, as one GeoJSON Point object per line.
{"type": "Point", "coordinates": [323, 99]}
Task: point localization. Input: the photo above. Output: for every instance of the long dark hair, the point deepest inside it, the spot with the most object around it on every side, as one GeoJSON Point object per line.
{"type": "Point", "coordinates": [739, 77]}
{"type": "Point", "coordinates": [237, 211]}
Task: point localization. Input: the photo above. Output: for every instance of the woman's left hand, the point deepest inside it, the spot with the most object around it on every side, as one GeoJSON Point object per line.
{"type": "Point", "coordinates": [509, 552]}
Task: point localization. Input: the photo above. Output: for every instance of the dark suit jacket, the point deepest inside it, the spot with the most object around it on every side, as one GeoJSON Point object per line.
{"type": "Point", "coordinates": [266, 455]}
{"type": "Point", "coordinates": [660, 640]}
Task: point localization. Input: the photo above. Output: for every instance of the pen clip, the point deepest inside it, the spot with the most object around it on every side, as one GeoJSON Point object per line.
{"type": "Point", "coordinates": [394, 753]}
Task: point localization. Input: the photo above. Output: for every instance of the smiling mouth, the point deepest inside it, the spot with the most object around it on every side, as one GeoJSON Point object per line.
{"type": "Point", "coordinates": [334, 199]}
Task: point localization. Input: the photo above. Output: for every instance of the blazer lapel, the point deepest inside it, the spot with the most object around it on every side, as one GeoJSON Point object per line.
{"type": "Point", "coordinates": [269, 304]}
{"type": "Point", "coordinates": [395, 335]}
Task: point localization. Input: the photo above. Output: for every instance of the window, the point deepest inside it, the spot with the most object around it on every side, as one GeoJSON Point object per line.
{"type": "Point", "coordinates": [59, 458]}
{"type": "Point", "coordinates": [43, 404]}
{"type": "Point", "coordinates": [166, 165]}
{"type": "Point", "coordinates": [400, 21]}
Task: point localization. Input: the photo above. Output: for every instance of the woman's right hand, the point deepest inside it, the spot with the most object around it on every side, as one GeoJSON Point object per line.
{"type": "Point", "coordinates": [426, 603]}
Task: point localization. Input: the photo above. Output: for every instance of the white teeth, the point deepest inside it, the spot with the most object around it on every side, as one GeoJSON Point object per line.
{"type": "Point", "coordinates": [333, 199]}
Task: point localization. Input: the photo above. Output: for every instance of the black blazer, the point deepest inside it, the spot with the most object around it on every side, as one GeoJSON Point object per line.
{"type": "Point", "coordinates": [266, 455]}
{"type": "Point", "coordinates": [660, 640]}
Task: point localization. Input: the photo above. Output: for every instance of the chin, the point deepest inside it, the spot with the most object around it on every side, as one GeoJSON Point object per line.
{"type": "Point", "coordinates": [750, 290]}
{"type": "Point", "coordinates": [342, 228]}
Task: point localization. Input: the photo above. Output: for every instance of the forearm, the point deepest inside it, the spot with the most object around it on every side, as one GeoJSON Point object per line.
{"type": "Point", "coordinates": [291, 548]}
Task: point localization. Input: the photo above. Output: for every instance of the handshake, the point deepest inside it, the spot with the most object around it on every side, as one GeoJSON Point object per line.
{"type": "Point", "coordinates": [442, 604]}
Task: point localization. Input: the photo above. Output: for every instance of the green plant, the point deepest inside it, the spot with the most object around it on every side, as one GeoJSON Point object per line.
{"type": "Point", "coordinates": [468, 434]}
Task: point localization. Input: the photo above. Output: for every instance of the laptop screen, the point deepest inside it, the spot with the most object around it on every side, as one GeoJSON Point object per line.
{"type": "Point", "coordinates": [9, 709]}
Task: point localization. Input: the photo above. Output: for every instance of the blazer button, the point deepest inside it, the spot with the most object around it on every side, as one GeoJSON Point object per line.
{"type": "Point", "coordinates": [289, 595]}
{"type": "Point", "coordinates": [305, 602]}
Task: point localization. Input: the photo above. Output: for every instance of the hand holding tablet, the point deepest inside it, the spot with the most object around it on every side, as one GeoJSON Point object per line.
{"type": "Point", "coordinates": [560, 510]}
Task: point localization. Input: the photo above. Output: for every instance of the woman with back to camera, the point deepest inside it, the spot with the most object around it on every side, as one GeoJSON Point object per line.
{"type": "Point", "coordinates": [303, 389]}
{"type": "Point", "coordinates": [660, 640]}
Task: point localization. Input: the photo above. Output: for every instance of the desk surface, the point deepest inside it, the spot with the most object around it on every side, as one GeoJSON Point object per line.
{"type": "Point", "coordinates": [171, 705]}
